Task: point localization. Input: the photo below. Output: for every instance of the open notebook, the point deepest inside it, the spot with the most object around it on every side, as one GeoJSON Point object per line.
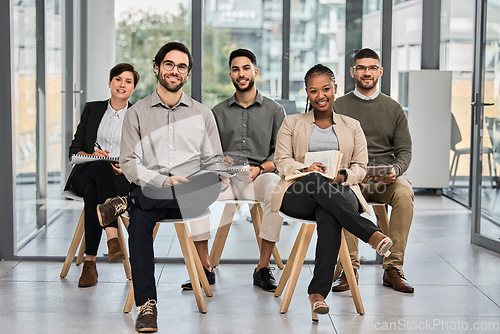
{"type": "Point", "coordinates": [81, 159]}
{"type": "Point", "coordinates": [331, 159]}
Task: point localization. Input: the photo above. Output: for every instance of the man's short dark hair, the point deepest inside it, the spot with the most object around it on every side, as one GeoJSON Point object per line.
{"type": "Point", "coordinates": [122, 67]}
{"type": "Point", "coordinates": [242, 53]}
{"type": "Point", "coordinates": [365, 53]}
{"type": "Point", "coordinates": [169, 47]}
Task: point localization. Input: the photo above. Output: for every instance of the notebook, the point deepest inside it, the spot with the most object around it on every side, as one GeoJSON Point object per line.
{"type": "Point", "coordinates": [331, 159]}
{"type": "Point", "coordinates": [77, 159]}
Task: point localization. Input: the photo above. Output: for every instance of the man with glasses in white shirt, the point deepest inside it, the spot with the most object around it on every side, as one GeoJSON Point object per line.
{"type": "Point", "coordinates": [167, 136]}
{"type": "Point", "coordinates": [389, 143]}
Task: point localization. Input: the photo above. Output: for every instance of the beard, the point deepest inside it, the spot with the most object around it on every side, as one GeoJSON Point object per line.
{"type": "Point", "coordinates": [170, 87]}
{"type": "Point", "coordinates": [251, 83]}
{"type": "Point", "coordinates": [367, 86]}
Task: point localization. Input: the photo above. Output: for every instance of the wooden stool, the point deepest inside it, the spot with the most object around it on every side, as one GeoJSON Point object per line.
{"type": "Point", "coordinates": [191, 259]}
{"type": "Point", "coordinates": [230, 208]}
{"type": "Point", "coordinates": [296, 260]}
{"type": "Point", "coordinates": [79, 239]}
{"type": "Point", "coordinates": [383, 223]}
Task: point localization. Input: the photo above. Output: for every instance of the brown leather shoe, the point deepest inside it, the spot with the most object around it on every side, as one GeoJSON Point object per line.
{"type": "Point", "coordinates": [115, 253]}
{"type": "Point", "coordinates": [111, 209]}
{"type": "Point", "coordinates": [395, 279]}
{"type": "Point", "coordinates": [341, 283]}
{"type": "Point", "coordinates": [89, 275]}
{"type": "Point", "coordinates": [146, 319]}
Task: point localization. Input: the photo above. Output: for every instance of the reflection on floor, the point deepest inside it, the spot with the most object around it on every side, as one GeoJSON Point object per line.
{"type": "Point", "coordinates": [490, 204]}
{"type": "Point", "coordinates": [457, 289]}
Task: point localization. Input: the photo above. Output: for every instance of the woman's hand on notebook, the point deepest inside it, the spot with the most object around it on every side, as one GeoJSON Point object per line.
{"type": "Point", "coordinates": [316, 167]}
{"type": "Point", "coordinates": [101, 153]}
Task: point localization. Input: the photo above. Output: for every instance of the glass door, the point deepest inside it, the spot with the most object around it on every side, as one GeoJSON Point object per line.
{"type": "Point", "coordinates": [486, 127]}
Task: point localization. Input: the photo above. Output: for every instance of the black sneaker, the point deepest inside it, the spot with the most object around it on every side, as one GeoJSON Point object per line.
{"type": "Point", "coordinates": [146, 319]}
{"type": "Point", "coordinates": [264, 278]}
{"type": "Point", "coordinates": [210, 276]}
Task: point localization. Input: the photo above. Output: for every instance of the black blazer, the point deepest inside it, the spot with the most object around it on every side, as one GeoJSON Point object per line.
{"type": "Point", "coordinates": [86, 132]}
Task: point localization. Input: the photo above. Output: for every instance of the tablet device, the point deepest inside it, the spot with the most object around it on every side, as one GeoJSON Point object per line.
{"type": "Point", "coordinates": [378, 170]}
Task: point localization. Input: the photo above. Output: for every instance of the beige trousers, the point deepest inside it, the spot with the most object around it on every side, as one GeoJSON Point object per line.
{"type": "Point", "coordinates": [400, 197]}
{"type": "Point", "coordinates": [260, 190]}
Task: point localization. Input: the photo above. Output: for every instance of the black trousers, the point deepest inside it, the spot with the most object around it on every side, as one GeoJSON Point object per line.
{"type": "Point", "coordinates": [181, 201]}
{"type": "Point", "coordinates": [333, 207]}
{"type": "Point", "coordinates": [96, 182]}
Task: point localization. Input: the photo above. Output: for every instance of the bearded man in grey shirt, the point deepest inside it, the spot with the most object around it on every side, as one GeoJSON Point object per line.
{"type": "Point", "coordinates": [248, 124]}
{"type": "Point", "coordinates": [166, 137]}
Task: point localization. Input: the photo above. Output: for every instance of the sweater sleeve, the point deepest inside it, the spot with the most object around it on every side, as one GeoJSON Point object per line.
{"type": "Point", "coordinates": [402, 143]}
{"type": "Point", "coordinates": [357, 166]}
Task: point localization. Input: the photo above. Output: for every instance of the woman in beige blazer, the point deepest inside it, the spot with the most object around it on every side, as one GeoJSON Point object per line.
{"type": "Point", "coordinates": [332, 204]}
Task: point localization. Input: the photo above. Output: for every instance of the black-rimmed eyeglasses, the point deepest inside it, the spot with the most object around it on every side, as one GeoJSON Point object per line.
{"type": "Point", "coordinates": [169, 66]}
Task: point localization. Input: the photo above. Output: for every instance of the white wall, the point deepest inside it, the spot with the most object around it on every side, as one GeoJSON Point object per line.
{"type": "Point", "coordinates": [100, 47]}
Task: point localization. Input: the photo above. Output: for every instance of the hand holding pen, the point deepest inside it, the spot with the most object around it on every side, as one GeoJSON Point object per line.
{"type": "Point", "coordinates": [317, 167]}
{"type": "Point", "coordinates": [100, 152]}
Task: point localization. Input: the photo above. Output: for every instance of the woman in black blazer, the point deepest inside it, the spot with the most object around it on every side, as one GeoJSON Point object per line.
{"type": "Point", "coordinates": [99, 134]}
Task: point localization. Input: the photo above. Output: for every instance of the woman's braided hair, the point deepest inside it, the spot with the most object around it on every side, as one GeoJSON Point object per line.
{"type": "Point", "coordinates": [315, 70]}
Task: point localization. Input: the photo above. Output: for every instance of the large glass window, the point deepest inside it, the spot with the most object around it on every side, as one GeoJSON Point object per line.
{"type": "Point", "coordinates": [232, 24]}
{"type": "Point", "coordinates": [406, 40]}
{"type": "Point", "coordinates": [31, 213]}
{"type": "Point", "coordinates": [457, 29]}
{"type": "Point", "coordinates": [142, 28]}
{"type": "Point", "coordinates": [490, 208]}
{"type": "Point", "coordinates": [54, 88]}
{"type": "Point", "coordinates": [24, 105]}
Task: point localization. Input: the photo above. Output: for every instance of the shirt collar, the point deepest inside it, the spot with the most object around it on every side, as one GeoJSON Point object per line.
{"type": "Point", "coordinates": [364, 97]}
{"type": "Point", "coordinates": [258, 99]}
{"type": "Point", "coordinates": [118, 113]}
{"type": "Point", "coordinates": [184, 100]}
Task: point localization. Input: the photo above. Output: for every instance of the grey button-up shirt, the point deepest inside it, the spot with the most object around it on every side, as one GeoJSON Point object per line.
{"type": "Point", "coordinates": [159, 141]}
{"type": "Point", "coordinates": [249, 134]}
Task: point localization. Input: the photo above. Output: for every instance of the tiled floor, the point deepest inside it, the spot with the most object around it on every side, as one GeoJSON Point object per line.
{"type": "Point", "coordinates": [457, 289]}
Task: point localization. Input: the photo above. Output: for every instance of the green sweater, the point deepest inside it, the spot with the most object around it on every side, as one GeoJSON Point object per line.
{"type": "Point", "coordinates": [385, 126]}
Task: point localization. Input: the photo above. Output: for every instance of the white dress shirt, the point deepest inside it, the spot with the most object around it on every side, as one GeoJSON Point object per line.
{"type": "Point", "coordinates": [109, 133]}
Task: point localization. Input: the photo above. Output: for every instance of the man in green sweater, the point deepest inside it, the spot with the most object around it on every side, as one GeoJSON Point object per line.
{"type": "Point", "coordinates": [389, 143]}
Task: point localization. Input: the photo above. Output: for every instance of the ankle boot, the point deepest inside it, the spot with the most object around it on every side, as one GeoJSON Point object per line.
{"type": "Point", "coordinates": [89, 275]}
{"type": "Point", "coordinates": [115, 253]}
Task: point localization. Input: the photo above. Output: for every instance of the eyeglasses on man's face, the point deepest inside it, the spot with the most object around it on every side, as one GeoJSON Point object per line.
{"type": "Point", "coordinates": [362, 69]}
{"type": "Point", "coordinates": [169, 66]}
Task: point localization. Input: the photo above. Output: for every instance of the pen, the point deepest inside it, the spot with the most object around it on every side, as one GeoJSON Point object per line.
{"type": "Point", "coordinates": [98, 146]}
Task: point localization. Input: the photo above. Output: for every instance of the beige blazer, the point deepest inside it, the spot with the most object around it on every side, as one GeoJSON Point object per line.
{"type": "Point", "coordinates": [293, 143]}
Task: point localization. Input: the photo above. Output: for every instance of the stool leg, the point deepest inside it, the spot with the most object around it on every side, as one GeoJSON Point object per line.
{"type": "Point", "coordinates": [130, 297]}
{"type": "Point", "coordinates": [345, 259]}
{"type": "Point", "coordinates": [221, 236]}
{"type": "Point", "coordinates": [289, 264]}
{"type": "Point", "coordinates": [129, 303]}
{"type": "Point", "coordinates": [199, 267]}
{"type": "Point", "coordinates": [187, 251]}
{"type": "Point", "coordinates": [338, 268]}
{"type": "Point", "coordinates": [256, 221]}
{"type": "Point", "coordinates": [256, 212]}
{"type": "Point", "coordinates": [297, 266]}
{"type": "Point", "coordinates": [126, 261]}
{"type": "Point", "coordinates": [81, 251]}
{"type": "Point", "coordinates": [73, 246]}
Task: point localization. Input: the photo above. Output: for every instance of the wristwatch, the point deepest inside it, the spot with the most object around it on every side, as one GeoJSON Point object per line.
{"type": "Point", "coordinates": [262, 171]}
